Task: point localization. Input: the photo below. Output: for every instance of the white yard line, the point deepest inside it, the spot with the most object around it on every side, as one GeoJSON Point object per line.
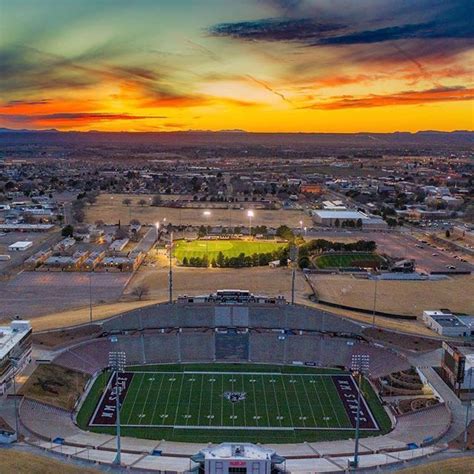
{"type": "Point", "coordinates": [309, 402]}
{"type": "Point", "coordinates": [189, 401]}
{"type": "Point", "coordinates": [299, 404]}
{"type": "Point", "coordinates": [146, 401]}
{"type": "Point", "coordinates": [287, 402]}
{"type": "Point", "coordinates": [243, 401]}
{"type": "Point", "coordinates": [265, 398]}
{"type": "Point", "coordinates": [320, 403]}
{"type": "Point", "coordinates": [155, 406]}
{"type": "Point", "coordinates": [179, 399]}
{"type": "Point", "coordinates": [200, 400]}
{"type": "Point", "coordinates": [135, 400]}
{"type": "Point", "coordinates": [332, 406]}
{"type": "Point", "coordinates": [277, 404]}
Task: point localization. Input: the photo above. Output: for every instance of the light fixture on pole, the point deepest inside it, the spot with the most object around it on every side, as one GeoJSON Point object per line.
{"type": "Point", "coordinates": [207, 214]}
{"type": "Point", "coordinates": [117, 364]}
{"type": "Point", "coordinates": [14, 361]}
{"type": "Point", "coordinates": [301, 227]}
{"type": "Point", "coordinates": [360, 364]}
{"type": "Point", "coordinates": [250, 214]}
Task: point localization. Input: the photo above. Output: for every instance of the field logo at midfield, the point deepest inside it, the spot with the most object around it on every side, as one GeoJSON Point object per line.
{"type": "Point", "coordinates": [235, 397]}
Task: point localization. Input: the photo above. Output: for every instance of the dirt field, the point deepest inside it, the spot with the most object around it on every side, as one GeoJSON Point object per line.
{"type": "Point", "coordinates": [397, 297]}
{"type": "Point", "coordinates": [78, 316]}
{"type": "Point", "coordinates": [110, 209]}
{"type": "Point", "coordinates": [462, 465]}
{"type": "Point", "coordinates": [30, 294]}
{"type": "Point", "coordinates": [55, 385]}
{"type": "Point", "coordinates": [192, 281]}
{"type": "Point", "coordinates": [18, 462]}
{"type": "Point", "coordinates": [63, 336]}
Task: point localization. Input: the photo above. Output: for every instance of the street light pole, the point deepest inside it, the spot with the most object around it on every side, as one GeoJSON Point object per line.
{"type": "Point", "coordinates": [468, 408]}
{"type": "Point", "coordinates": [375, 301]}
{"type": "Point", "coordinates": [14, 362]}
{"type": "Point", "coordinates": [250, 214]}
{"type": "Point", "coordinates": [359, 364]}
{"type": "Point", "coordinates": [90, 297]}
{"type": "Point", "coordinates": [117, 363]}
{"type": "Point", "coordinates": [170, 277]}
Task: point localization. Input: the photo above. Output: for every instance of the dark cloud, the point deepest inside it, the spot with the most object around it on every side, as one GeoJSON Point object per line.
{"type": "Point", "coordinates": [444, 20]}
{"type": "Point", "coordinates": [439, 94]}
{"type": "Point", "coordinates": [304, 30]}
{"type": "Point", "coordinates": [76, 116]}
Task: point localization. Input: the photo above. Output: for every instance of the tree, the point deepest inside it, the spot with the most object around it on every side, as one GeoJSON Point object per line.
{"type": "Point", "coordinates": [156, 200]}
{"type": "Point", "coordinates": [220, 259]}
{"type": "Point", "coordinates": [140, 291]}
{"type": "Point", "coordinates": [142, 202]}
{"type": "Point", "coordinates": [337, 223]}
{"type": "Point", "coordinates": [127, 202]}
{"type": "Point", "coordinates": [448, 233]}
{"type": "Point", "coordinates": [134, 222]}
{"type": "Point", "coordinates": [359, 223]}
{"type": "Point", "coordinates": [67, 231]}
{"type": "Point", "coordinates": [285, 232]}
{"type": "Point", "coordinates": [185, 261]}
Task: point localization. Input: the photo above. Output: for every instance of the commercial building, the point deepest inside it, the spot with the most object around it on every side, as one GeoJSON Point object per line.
{"type": "Point", "coordinates": [445, 323]}
{"type": "Point", "coordinates": [227, 458]}
{"type": "Point", "coordinates": [15, 351]}
{"type": "Point", "coordinates": [20, 246]}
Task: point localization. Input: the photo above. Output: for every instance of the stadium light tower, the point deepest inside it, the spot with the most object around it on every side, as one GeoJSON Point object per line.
{"type": "Point", "coordinates": [157, 227]}
{"type": "Point", "coordinates": [207, 214]}
{"type": "Point", "coordinates": [117, 363]}
{"type": "Point", "coordinates": [250, 214]}
{"type": "Point", "coordinates": [360, 364]}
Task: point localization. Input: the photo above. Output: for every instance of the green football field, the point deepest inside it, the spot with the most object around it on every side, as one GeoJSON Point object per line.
{"type": "Point", "coordinates": [347, 260]}
{"type": "Point", "coordinates": [203, 403]}
{"type": "Point", "coordinates": [230, 248]}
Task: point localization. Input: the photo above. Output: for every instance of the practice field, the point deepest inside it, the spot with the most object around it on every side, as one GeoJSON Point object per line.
{"type": "Point", "coordinates": [348, 260]}
{"type": "Point", "coordinates": [230, 248]}
{"type": "Point", "coordinates": [200, 403]}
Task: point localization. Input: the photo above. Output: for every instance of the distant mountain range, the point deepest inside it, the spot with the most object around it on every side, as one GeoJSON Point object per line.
{"type": "Point", "coordinates": [427, 138]}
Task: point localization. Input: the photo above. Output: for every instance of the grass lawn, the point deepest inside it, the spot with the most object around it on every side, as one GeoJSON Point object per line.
{"type": "Point", "coordinates": [230, 402]}
{"type": "Point", "coordinates": [230, 248]}
{"type": "Point", "coordinates": [348, 260]}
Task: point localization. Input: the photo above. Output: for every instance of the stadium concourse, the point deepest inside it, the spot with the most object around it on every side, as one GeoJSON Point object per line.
{"type": "Point", "coordinates": [206, 330]}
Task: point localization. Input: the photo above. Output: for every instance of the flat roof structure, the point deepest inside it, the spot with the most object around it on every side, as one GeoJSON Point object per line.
{"type": "Point", "coordinates": [330, 214]}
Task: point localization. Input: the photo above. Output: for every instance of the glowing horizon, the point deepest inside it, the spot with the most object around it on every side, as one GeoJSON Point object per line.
{"type": "Point", "coordinates": [258, 66]}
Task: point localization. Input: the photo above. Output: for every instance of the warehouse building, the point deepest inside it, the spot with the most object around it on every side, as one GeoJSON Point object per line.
{"type": "Point", "coordinates": [445, 323]}
{"type": "Point", "coordinates": [20, 246]}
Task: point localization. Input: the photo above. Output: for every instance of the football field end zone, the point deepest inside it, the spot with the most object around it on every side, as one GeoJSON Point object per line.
{"type": "Point", "coordinates": [347, 389]}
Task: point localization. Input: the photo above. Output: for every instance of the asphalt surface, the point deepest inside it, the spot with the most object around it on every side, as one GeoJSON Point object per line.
{"type": "Point", "coordinates": [402, 245]}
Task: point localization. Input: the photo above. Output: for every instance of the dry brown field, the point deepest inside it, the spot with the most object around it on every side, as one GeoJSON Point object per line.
{"type": "Point", "coordinates": [19, 462]}
{"type": "Point", "coordinates": [461, 465]}
{"type": "Point", "coordinates": [397, 297]}
{"type": "Point", "coordinates": [110, 209]}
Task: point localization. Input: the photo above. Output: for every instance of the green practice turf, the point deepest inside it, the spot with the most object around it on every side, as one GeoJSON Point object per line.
{"type": "Point", "coordinates": [230, 248]}
{"type": "Point", "coordinates": [347, 260]}
{"type": "Point", "coordinates": [188, 404]}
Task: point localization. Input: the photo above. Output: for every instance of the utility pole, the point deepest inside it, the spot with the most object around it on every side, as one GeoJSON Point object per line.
{"type": "Point", "coordinates": [14, 362]}
{"type": "Point", "coordinates": [171, 270]}
{"type": "Point", "coordinates": [293, 259]}
{"type": "Point", "coordinates": [468, 408]}
{"type": "Point", "coordinates": [117, 363]}
{"type": "Point", "coordinates": [360, 364]}
{"type": "Point", "coordinates": [375, 300]}
{"type": "Point", "coordinates": [90, 297]}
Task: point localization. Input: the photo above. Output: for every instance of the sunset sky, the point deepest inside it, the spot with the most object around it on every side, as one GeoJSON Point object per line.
{"type": "Point", "coordinates": [256, 65]}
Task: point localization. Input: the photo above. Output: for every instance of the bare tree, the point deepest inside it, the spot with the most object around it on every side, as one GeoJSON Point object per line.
{"type": "Point", "coordinates": [127, 202]}
{"type": "Point", "coordinates": [142, 202]}
{"type": "Point", "coordinates": [140, 291]}
{"type": "Point", "coordinates": [156, 201]}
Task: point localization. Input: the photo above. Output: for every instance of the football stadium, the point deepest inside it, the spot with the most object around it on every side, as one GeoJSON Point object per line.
{"type": "Point", "coordinates": [225, 373]}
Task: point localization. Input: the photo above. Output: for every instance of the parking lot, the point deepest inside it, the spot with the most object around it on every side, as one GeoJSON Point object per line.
{"type": "Point", "coordinates": [41, 240]}
{"type": "Point", "coordinates": [31, 294]}
{"type": "Point", "coordinates": [428, 259]}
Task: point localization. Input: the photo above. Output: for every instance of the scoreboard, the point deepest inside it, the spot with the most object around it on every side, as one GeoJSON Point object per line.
{"type": "Point", "coordinates": [453, 364]}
